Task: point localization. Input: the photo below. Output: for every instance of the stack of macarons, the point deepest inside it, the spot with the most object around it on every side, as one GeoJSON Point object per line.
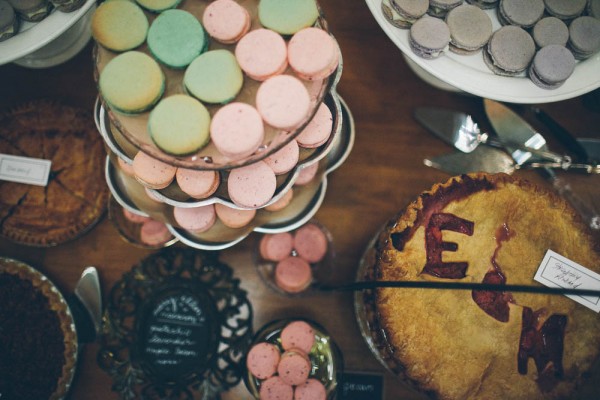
{"type": "Point", "coordinates": [145, 231]}
{"type": "Point", "coordinates": [294, 256]}
{"type": "Point", "coordinates": [284, 370]}
{"type": "Point", "coordinates": [148, 37]}
{"type": "Point", "coordinates": [517, 48]}
{"type": "Point", "coordinates": [12, 12]}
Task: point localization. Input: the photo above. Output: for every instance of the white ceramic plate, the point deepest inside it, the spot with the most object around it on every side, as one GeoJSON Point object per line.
{"type": "Point", "coordinates": [34, 36]}
{"type": "Point", "coordinates": [470, 74]}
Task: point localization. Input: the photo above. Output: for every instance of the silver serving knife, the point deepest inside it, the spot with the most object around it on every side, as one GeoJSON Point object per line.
{"type": "Point", "coordinates": [482, 159]}
{"type": "Point", "coordinates": [510, 126]}
{"type": "Point", "coordinates": [88, 292]}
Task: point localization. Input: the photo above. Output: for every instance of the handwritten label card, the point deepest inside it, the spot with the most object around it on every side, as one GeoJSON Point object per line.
{"type": "Point", "coordinates": [361, 386]}
{"type": "Point", "coordinates": [176, 335]}
{"type": "Point", "coordinates": [31, 171]}
{"type": "Point", "coordinates": [558, 271]}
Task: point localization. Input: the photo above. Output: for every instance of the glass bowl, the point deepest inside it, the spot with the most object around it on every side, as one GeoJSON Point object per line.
{"type": "Point", "coordinates": [321, 270]}
{"type": "Point", "coordinates": [325, 356]}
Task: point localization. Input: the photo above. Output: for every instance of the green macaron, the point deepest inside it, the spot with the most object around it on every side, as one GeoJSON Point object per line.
{"type": "Point", "coordinates": [287, 16]}
{"type": "Point", "coordinates": [179, 125]}
{"type": "Point", "coordinates": [214, 77]}
{"type": "Point", "coordinates": [176, 38]}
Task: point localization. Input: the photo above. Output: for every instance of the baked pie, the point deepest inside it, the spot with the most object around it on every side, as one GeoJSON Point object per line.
{"type": "Point", "coordinates": [38, 342]}
{"type": "Point", "coordinates": [459, 344]}
{"type": "Point", "coordinates": [76, 194]}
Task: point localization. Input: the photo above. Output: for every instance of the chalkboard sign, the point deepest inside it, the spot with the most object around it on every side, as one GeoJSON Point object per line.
{"type": "Point", "coordinates": [177, 331]}
{"type": "Point", "coordinates": [361, 386]}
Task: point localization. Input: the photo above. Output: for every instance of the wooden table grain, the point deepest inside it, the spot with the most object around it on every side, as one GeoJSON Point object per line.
{"type": "Point", "coordinates": [384, 172]}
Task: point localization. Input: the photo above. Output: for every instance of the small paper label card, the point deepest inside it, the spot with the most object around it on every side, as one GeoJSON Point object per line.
{"type": "Point", "coordinates": [361, 386]}
{"type": "Point", "coordinates": [558, 271]}
{"type": "Point", "coordinates": [31, 171]}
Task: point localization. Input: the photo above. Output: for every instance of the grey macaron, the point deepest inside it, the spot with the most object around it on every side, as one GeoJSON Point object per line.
{"type": "Point", "coordinates": [408, 11]}
{"type": "Point", "coordinates": [593, 8]}
{"type": "Point", "coordinates": [9, 24]}
{"type": "Point", "coordinates": [565, 9]}
{"type": "Point", "coordinates": [509, 51]}
{"type": "Point", "coordinates": [470, 29]}
{"type": "Point", "coordinates": [523, 13]}
{"type": "Point", "coordinates": [484, 4]}
{"type": "Point", "coordinates": [439, 8]}
{"type": "Point", "coordinates": [551, 66]}
{"type": "Point", "coordinates": [31, 10]}
{"type": "Point", "coordinates": [429, 37]}
{"type": "Point", "coordinates": [550, 30]}
{"type": "Point", "coordinates": [584, 37]}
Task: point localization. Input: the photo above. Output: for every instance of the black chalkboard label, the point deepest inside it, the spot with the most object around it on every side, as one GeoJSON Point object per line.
{"type": "Point", "coordinates": [361, 386]}
{"type": "Point", "coordinates": [176, 333]}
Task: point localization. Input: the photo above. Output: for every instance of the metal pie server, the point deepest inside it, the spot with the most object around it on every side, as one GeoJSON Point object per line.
{"type": "Point", "coordinates": [86, 305]}
{"type": "Point", "coordinates": [482, 159]}
{"type": "Point", "coordinates": [510, 126]}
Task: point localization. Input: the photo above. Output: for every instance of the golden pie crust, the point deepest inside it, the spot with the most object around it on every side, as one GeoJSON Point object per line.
{"type": "Point", "coordinates": [58, 306]}
{"type": "Point", "coordinates": [76, 195]}
{"type": "Point", "coordinates": [442, 341]}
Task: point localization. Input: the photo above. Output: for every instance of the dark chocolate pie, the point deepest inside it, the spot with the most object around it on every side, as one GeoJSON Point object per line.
{"type": "Point", "coordinates": [38, 342]}
{"type": "Point", "coordinates": [76, 194]}
{"type": "Point", "coordinates": [456, 344]}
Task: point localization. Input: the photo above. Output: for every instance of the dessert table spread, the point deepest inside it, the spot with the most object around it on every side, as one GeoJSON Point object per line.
{"type": "Point", "coordinates": [384, 172]}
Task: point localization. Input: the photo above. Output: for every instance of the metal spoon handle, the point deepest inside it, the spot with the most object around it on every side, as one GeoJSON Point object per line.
{"type": "Point", "coordinates": [565, 165]}
{"type": "Point", "coordinates": [546, 155]}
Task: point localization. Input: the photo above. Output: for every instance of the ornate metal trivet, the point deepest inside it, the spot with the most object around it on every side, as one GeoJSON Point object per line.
{"type": "Point", "coordinates": [189, 303]}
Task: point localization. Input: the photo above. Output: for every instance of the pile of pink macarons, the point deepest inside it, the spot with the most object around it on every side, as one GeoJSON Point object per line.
{"type": "Point", "coordinates": [295, 255]}
{"type": "Point", "coordinates": [286, 375]}
{"type": "Point", "coordinates": [151, 233]}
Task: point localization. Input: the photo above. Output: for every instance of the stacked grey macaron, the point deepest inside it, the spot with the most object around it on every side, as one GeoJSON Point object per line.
{"type": "Point", "coordinates": [570, 27]}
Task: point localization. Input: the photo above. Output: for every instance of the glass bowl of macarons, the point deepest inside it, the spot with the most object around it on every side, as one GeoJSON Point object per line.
{"type": "Point", "coordinates": [212, 85]}
{"type": "Point", "coordinates": [293, 358]}
{"type": "Point", "coordinates": [295, 263]}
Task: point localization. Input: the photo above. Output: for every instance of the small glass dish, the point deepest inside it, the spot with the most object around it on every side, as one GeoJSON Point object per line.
{"type": "Point", "coordinates": [325, 356]}
{"type": "Point", "coordinates": [132, 229]}
{"type": "Point", "coordinates": [321, 270]}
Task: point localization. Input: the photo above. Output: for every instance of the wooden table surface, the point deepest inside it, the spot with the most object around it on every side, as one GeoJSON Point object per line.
{"type": "Point", "coordinates": [384, 172]}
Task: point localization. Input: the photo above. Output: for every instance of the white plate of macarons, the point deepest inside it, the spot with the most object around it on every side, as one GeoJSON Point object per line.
{"type": "Point", "coordinates": [469, 73]}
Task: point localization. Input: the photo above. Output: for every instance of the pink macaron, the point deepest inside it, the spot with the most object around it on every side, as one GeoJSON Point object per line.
{"type": "Point", "coordinates": [310, 242]}
{"type": "Point", "coordinates": [275, 388]}
{"type": "Point", "coordinates": [154, 233]}
{"type": "Point", "coordinates": [294, 367]}
{"type": "Point", "coordinates": [152, 173]}
{"type": "Point", "coordinates": [126, 167]}
{"type": "Point", "coordinates": [312, 389]}
{"type": "Point", "coordinates": [283, 160]}
{"type": "Point", "coordinates": [233, 217]}
{"type": "Point", "coordinates": [299, 335]}
{"type": "Point", "coordinates": [251, 186]}
{"type": "Point", "coordinates": [262, 360]}
{"type": "Point", "coordinates": [283, 201]}
{"type": "Point", "coordinates": [318, 129]}
{"type": "Point", "coordinates": [197, 184]}
{"type": "Point", "coordinates": [293, 274]}
{"type": "Point", "coordinates": [237, 130]}
{"type": "Point", "coordinates": [133, 217]}
{"type": "Point", "coordinates": [307, 174]}
{"type": "Point", "coordinates": [261, 54]}
{"type": "Point", "coordinates": [277, 246]}
{"type": "Point", "coordinates": [283, 102]}
{"type": "Point", "coordinates": [313, 54]}
{"type": "Point", "coordinates": [226, 21]}
{"type": "Point", "coordinates": [195, 219]}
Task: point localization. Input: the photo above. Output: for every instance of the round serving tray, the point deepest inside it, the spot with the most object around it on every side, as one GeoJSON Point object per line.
{"type": "Point", "coordinates": [470, 74]}
{"type": "Point", "coordinates": [134, 127]}
{"type": "Point", "coordinates": [305, 203]}
{"type": "Point", "coordinates": [174, 196]}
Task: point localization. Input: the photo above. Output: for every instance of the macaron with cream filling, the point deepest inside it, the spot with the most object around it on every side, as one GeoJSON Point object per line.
{"type": "Point", "coordinates": [195, 219]}
{"type": "Point", "coordinates": [470, 29]}
{"type": "Point", "coordinates": [282, 202]}
{"type": "Point", "coordinates": [237, 130]}
{"type": "Point", "coordinates": [285, 159]}
{"type": "Point", "coordinates": [550, 30]}
{"type": "Point", "coordinates": [283, 102]}
{"type": "Point", "coordinates": [287, 16]}
{"type": "Point", "coordinates": [214, 77]}
{"type": "Point", "coordinates": [251, 186]}
{"type": "Point", "coordinates": [196, 183]}
{"type": "Point", "coordinates": [9, 23]}
{"type": "Point", "coordinates": [262, 360]}
{"type": "Point", "coordinates": [176, 38]}
{"type": "Point", "coordinates": [440, 8]}
{"type": "Point", "coordinates": [429, 37]}
{"type": "Point", "coordinates": [404, 13]}
{"type": "Point", "coordinates": [233, 217]}
{"type": "Point", "coordinates": [274, 388]}
{"type": "Point", "coordinates": [226, 21]}
{"type": "Point", "coordinates": [152, 173]}
{"type": "Point", "coordinates": [262, 53]}
{"type": "Point", "coordinates": [293, 274]}
{"type": "Point", "coordinates": [313, 54]}
{"type": "Point", "coordinates": [312, 389]}
{"type": "Point", "coordinates": [565, 9]}
{"type": "Point", "coordinates": [551, 66]}
{"type": "Point", "coordinates": [276, 246]}
{"type": "Point", "coordinates": [132, 82]}
{"type": "Point", "coordinates": [31, 10]}
{"type": "Point", "coordinates": [584, 37]}
{"type": "Point", "coordinates": [119, 25]}
{"type": "Point", "coordinates": [520, 12]}
{"type": "Point", "coordinates": [509, 51]}
{"type": "Point", "coordinates": [179, 124]}
{"type": "Point", "coordinates": [158, 6]}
